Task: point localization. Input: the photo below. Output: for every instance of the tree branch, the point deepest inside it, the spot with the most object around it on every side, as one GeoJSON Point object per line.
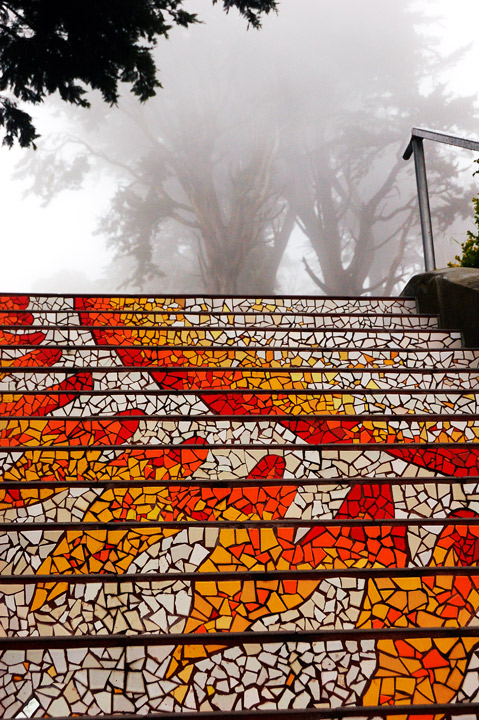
{"type": "Point", "coordinates": [313, 275]}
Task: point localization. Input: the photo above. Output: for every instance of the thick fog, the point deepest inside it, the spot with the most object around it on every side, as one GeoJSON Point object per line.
{"type": "Point", "coordinates": [270, 162]}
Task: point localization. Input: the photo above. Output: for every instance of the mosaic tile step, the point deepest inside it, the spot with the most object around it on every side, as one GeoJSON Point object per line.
{"type": "Point", "coordinates": [132, 428]}
{"type": "Point", "coordinates": [292, 360]}
{"type": "Point", "coordinates": [38, 319]}
{"type": "Point", "coordinates": [88, 608]}
{"type": "Point", "coordinates": [201, 304]}
{"type": "Point", "coordinates": [380, 482]}
{"type": "Point", "coordinates": [274, 337]}
{"type": "Point", "coordinates": [44, 379]}
{"type": "Point", "coordinates": [60, 403]}
{"type": "Point", "coordinates": [250, 677]}
{"type": "Point", "coordinates": [221, 462]}
{"type": "Point", "coordinates": [114, 496]}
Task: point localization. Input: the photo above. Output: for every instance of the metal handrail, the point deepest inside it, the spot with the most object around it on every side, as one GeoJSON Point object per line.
{"type": "Point", "coordinates": [416, 146]}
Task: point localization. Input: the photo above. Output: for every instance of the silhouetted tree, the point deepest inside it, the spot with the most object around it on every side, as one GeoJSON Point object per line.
{"type": "Point", "coordinates": [77, 45]}
{"type": "Point", "coordinates": [180, 178]}
{"type": "Point", "coordinates": [232, 209]}
{"type": "Point", "coordinates": [351, 192]}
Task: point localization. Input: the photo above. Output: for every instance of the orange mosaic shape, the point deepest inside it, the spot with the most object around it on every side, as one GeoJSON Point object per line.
{"type": "Point", "coordinates": [427, 670]}
{"type": "Point", "coordinates": [104, 551]}
{"type": "Point", "coordinates": [233, 606]}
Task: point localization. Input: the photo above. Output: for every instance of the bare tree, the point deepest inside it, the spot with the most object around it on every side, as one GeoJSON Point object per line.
{"type": "Point", "coordinates": [354, 228]}
{"type": "Point", "coordinates": [232, 208]}
{"type": "Point", "coordinates": [181, 183]}
{"type": "Point", "coordinates": [345, 180]}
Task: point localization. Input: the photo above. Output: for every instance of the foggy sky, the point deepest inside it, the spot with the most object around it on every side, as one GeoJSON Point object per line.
{"type": "Point", "coordinates": [54, 248]}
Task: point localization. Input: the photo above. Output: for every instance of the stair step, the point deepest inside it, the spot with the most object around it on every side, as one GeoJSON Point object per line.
{"type": "Point", "coordinates": [259, 574]}
{"type": "Point", "coordinates": [28, 379]}
{"type": "Point", "coordinates": [292, 529]}
{"type": "Point", "coordinates": [221, 462]}
{"type": "Point", "coordinates": [39, 320]}
{"type": "Point", "coordinates": [195, 303]}
{"type": "Point", "coordinates": [186, 360]}
{"type": "Point", "coordinates": [245, 430]}
{"type": "Point", "coordinates": [321, 580]}
{"type": "Point", "coordinates": [60, 403]}
{"type": "Point", "coordinates": [249, 338]}
{"type": "Point", "coordinates": [323, 485]}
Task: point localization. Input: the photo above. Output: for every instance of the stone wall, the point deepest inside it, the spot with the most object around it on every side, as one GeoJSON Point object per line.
{"type": "Point", "coordinates": [453, 294]}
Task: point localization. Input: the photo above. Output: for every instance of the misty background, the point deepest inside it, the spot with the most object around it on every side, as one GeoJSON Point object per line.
{"type": "Point", "coordinates": [269, 163]}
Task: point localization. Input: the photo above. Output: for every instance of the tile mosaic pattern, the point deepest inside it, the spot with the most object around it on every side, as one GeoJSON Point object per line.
{"type": "Point", "coordinates": [73, 357]}
{"type": "Point", "coordinates": [38, 320]}
{"type": "Point", "coordinates": [295, 402]}
{"type": "Point", "coordinates": [22, 379]}
{"type": "Point", "coordinates": [149, 336]}
{"type": "Point", "coordinates": [294, 304]}
{"type": "Point", "coordinates": [188, 458]}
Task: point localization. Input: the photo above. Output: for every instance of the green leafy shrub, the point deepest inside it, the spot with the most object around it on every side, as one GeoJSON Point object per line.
{"type": "Point", "coordinates": [470, 248]}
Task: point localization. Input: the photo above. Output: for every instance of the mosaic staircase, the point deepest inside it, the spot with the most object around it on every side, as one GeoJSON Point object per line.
{"type": "Point", "coordinates": [237, 507]}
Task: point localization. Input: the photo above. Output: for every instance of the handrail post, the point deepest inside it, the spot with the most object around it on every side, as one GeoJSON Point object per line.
{"type": "Point", "coordinates": [418, 135]}
{"type": "Point", "coordinates": [424, 207]}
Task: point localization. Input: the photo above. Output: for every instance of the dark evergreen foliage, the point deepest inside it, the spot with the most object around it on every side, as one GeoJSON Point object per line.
{"type": "Point", "coordinates": [76, 45]}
